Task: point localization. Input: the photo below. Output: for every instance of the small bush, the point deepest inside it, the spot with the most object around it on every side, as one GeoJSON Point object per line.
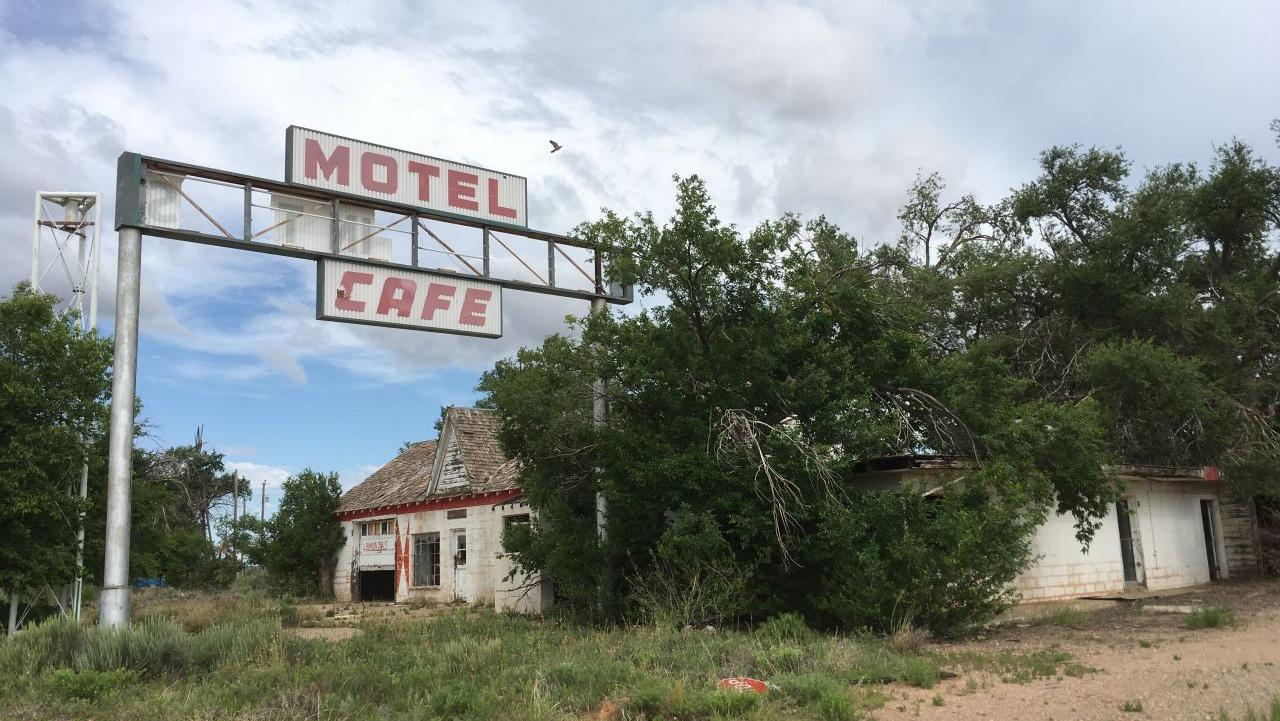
{"type": "Point", "coordinates": [695, 578]}
{"type": "Point", "coordinates": [906, 637]}
{"type": "Point", "coordinates": [785, 627]}
{"type": "Point", "coordinates": [782, 658]}
{"type": "Point", "coordinates": [86, 685]}
{"type": "Point", "coordinates": [823, 693]}
{"type": "Point", "coordinates": [1134, 706]}
{"type": "Point", "coordinates": [655, 699]}
{"type": "Point", "coordinates": [1210, 617]}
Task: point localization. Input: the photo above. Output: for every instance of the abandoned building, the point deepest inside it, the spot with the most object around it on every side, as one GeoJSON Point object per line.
{"type": "Point", "coordinates": [427, 526]}
{"type": "Point", "coordinates": [1172, 527]}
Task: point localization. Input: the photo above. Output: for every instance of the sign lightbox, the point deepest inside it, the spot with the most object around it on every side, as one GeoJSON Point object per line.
{"type": "Point", "coordinates": [335, 163]}
{"type": "Point", "coordinates": [403, 298]}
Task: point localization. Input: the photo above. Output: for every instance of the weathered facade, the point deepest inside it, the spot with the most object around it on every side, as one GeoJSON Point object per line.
{"type": "Point", "coordinates": [1172, 527]}
{"type": "Point", "coordinates": [428, 525]}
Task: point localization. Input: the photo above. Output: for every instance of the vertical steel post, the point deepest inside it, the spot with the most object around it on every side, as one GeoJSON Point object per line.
{"type": "Point", "coordinates": [600, 416]}
{"type": "Point", "coordinates": [551, 263]}
{"type": "Point", "coordinates": [413, 255]}
{"type": "Point", "coordinates": [13, 611]}
{"type": "Point", "coordinates": [486, 252]}
{"type": "Point", "coordinates": [114, 606]}
{"type": "Point", "coordinates": [247, 233]}
{"type": "Point", "coordinates": [94, 255]}
{"type": "Point", "coordinates": [72, 213]}
{"type": "Point", "coordinates": [35, 246]}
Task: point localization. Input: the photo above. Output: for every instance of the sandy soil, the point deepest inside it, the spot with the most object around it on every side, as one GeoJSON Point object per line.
{"type": "Point", "coordinates": [1142, 653]}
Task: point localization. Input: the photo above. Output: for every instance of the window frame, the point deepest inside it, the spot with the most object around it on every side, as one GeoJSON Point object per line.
{"type": "Point", "coordinates": [423, 544]}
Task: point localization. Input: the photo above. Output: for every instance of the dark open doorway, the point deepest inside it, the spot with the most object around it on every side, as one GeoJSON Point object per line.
{"type": "Point", "coordinates": [1127, 556]}
{"type": "Point", "coordinates": [1209, 518]}
{"type": "Point", "coordinates": [377, 585]}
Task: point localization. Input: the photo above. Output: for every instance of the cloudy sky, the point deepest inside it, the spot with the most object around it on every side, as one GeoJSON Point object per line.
{"type": "Point", "coordinates": [824, 107]}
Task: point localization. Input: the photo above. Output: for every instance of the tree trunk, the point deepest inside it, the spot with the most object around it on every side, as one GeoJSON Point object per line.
{"type": "Point", "coordinates": [324, 577]}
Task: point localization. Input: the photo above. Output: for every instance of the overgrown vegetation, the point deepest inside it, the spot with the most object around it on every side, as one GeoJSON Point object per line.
{"type": "Point", "coordinates": [1090, 318]}
{"type": "Point", "coordinates": [195, 656]}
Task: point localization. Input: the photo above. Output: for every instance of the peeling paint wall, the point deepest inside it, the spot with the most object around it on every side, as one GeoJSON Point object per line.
{"type": "Point", "coordinates": [486, 564]}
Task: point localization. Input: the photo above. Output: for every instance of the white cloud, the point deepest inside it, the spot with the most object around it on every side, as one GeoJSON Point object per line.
{"type": "Point", "coordinates": [257, 473]}
{"type": "Point", "coordinates": [822, 107]}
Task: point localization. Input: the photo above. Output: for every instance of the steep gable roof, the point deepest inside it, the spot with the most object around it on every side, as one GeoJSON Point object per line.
{"type": "Point", "coordinates": [471, 438]}
{"type": "Point", "coordinates": [468, 448]}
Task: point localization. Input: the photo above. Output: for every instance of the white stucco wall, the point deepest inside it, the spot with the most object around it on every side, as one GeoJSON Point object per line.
{"type": "Point", "coordinates": [486, 564]}
{"type": "Point", "coordinates": [1167, 523]}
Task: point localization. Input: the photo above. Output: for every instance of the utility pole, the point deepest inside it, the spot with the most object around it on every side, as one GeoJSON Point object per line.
{"type": "Point", "coordinates": [263, 515]}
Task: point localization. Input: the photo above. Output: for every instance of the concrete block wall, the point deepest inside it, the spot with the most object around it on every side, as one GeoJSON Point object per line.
{"type": "Point", "coordinates": [1166, 519]}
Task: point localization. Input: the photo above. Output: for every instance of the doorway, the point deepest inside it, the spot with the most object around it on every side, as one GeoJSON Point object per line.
{"type": "Point", "coordinates": [378, 585]}
{"type": "Point", "coordinates": [1129, 548]}
{"type": "Point", "coordinates": [1209, 519]}
{"type": "Point", "coordinates": [461, 576]}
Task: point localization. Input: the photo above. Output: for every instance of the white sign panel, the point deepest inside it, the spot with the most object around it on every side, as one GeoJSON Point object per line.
{"type": "Point", "coordinates": [332, 162]}
{"type": "Point", "coordinates": [377, 551]}
{"type": "Point", "coordinates": [405, 298]}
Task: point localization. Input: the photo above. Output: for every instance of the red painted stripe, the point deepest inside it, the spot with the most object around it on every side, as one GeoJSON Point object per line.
{"type": "Point", "coordinates": [438, 504]}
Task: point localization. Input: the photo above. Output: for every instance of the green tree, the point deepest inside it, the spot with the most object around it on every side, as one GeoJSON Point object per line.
{"type": "Point", "coordinates": [54, 382]}
{"type": "Point", "coordinates": [299, 542]}
{"type": "Point", "coordinates": [782, 358]}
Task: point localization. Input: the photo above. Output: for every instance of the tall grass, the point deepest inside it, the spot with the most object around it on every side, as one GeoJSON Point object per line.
{"type": "Point", "coordinates": [461, 665]}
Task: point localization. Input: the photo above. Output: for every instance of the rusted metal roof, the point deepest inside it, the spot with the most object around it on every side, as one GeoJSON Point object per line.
{"type": "Point", "coordinates": [407, 478]}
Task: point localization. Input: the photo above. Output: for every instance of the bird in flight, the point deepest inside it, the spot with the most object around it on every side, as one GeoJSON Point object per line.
{"type": "Point", "coordinates": [555, 146]}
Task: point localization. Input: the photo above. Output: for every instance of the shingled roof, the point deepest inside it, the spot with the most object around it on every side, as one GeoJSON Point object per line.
{"type": "Point", "coordinates": [408, 478]}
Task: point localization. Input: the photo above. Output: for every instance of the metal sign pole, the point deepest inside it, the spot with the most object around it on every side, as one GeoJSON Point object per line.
{"type": "Point", "coordinates": [114, 605]}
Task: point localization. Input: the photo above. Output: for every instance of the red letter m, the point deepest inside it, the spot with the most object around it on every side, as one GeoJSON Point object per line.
{"type": "Point", "coordinates": [314, 162]}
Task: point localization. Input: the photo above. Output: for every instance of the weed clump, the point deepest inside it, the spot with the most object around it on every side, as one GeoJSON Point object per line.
{"type": "Point", "coordinates": [1210, 617]}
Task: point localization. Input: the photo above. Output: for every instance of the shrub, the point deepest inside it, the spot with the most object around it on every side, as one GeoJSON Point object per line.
{"type": "Point", "coordinates": [947, 563]}
{"type": "Point", "coordinates": [694, 578]}
{"type": "Point", "coordinates": [656, 699]}
{"type": "Point", "coordinates": [1210, 617]}
{"type": "Point", "coordinates": [785, 627]}
{"type": "Point", "coordinates": [782, 658]}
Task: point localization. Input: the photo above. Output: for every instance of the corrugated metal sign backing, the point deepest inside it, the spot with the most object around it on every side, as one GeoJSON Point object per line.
{"type": "Point", "coordinates": [332, 162]}
{"type": "Point", "coordinates": [402, 298]}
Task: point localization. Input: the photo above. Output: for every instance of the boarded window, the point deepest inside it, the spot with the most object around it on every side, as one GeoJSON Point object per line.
{"type": "Point", "coordinates": [426, 559]}
{"type": "Point", "coordinates": [457, 513]}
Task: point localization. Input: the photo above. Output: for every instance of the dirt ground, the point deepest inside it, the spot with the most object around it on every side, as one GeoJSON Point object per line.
{"type": "Point", "coordinates": [1142, 653]}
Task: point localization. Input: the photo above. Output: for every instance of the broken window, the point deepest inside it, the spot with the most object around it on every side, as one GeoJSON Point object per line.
{"type": "Point", "coordinates": [378, 528]}
{"type": "Point", "coordinates": [426, 559]}
{"type": "Point", "coordinates": [456, 513]}
{"type": "Point", "coordinates": [519, 520]}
